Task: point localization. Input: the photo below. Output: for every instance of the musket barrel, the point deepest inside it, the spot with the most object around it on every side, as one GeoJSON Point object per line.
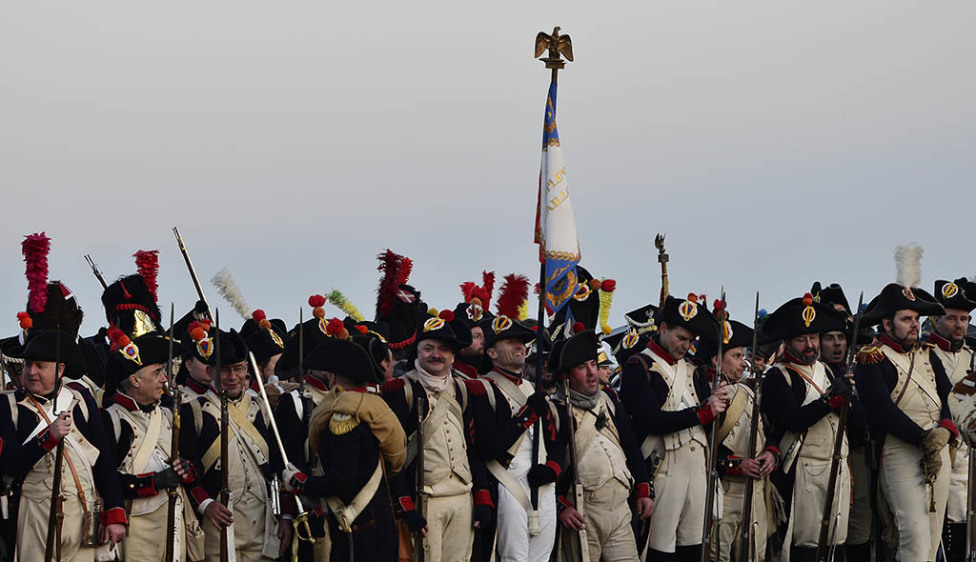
{"type": "Point", "coordinates": [712, 480]}
{"type": "Point", "coordinates": [189, 266]}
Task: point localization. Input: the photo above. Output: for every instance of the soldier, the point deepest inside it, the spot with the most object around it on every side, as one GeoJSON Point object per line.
{"type": "Point", "coordinates": [904, 391]}
{"type": "Point", "coordinates": [197, 352]}
{"type": "Point", "coordinates": [670, 407]}
{"type": "Point", "coordinates": [453, 472]}
{"type": "Point", "coordinates": [353, 433]}
{"type": "Point", "coordinates": [265, 339]}
{"type": "Point", "coordinates": [253, 460]}
{"type": "Point", "coordinates": [834, 346]}
{"type": "Point", "coordinates": [609, 464]}
{"type": "Point", "coordinates": [472, 312]}
{"type": "Point", "coordinates": [140, 432]}
{"type": "Point", "coordinates": [516, 407]}
{"type": "Point", "coordinates": [802, 399]}
{"type": "Point", "coordinates": [736, 462]}
{"type": "Point", "coordinates": [949, 337]}
{"type": "Point", "coordinates": [33, 422]}
{"type": "Point", "coordinates": [295, 410]}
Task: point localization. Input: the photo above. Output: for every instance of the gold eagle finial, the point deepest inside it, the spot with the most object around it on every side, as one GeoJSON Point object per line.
{"type": "Point", "coordinates": [557, 45]}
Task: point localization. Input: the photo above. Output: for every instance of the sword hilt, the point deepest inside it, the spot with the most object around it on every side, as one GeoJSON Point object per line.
{"type": "Point", "coordinates": [302, 529]}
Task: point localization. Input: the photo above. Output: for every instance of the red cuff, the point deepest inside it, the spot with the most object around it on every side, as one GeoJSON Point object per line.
{"type": "Point", "coordinates": [406, 503]}
{"type": "Point", "coordinates": [837, 401]}
{"type": "Point", "coordinates": [114, 516]}
{"type": "Point", "coordinates": [483, 497]}
{"type": "Point", "coordinates": [555, 468]}
{"type": "Point", "coordinates": [199, 495]}
{"type": "Point", "coordinates": [526, 418]}
{"type": "Point", "coordinates": [705, 414]}
{"type": "Point", "coordinates": [947, 423]}
{"type": "Point", "coordinates": [563, 502]}
{"type": "Point", "coordinates": [643, 490]}
{"type": "Point", "coordinates": [191, 472]}
{"type": "Point", "coordinates": [149, 489]}
{"type": "Point", "coordinates": [48, 442]}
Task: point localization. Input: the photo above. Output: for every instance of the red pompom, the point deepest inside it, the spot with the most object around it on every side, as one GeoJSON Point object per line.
{"type": "Point", "coordinates": [318, 312]}
{"type": "Point", "coordinates": [117, 337]}
{"type": "Point", "coordinates": [26, 322]}
{"type": "Point", "coordinates": [578, 328]}
{"type": "Point", "coordinates": [693, 298]}
{"type": "Point", "coordinates": [334, 327]}
{"type": "Point", "coordinates": [259, 315]}
{"type": "Point", "coordinates": [718, 304]}
{"type": "Point", "coordinates": [198, 333]}
{"type": "Point", "coordinates": [446, 315]}
{"type": "Point", "coordinates": [362, 329]}
{"type": "Point", "coordinates": [205, 324]}
{"type": "Point", "coordinates": [316, 300]}
{"type": "Point", "coordinates": [608, 285]}
{"type": "Point", "coordinates": [808, 299]}
{"type": "Point", "coordinates": [594, 284]}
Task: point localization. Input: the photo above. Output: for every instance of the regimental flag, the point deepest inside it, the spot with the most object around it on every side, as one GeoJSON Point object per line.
{"type": "Point", "coordinates": [555, 225]}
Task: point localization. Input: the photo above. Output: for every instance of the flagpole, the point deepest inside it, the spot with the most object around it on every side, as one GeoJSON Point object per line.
{"type": "Point", "coordinates": [552, 44]}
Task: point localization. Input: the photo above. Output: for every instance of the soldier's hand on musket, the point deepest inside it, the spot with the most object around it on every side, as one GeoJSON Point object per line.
{"type": "Point", "coordinates": [415, 522]}
{"type": "Point", "coordinates": [571, 519]}
{"type": "Point", "coordinates": [767, 461]}
{"type": "Point", "coordinates": [112, 534]}
{"type": "Point", "coordinates": [481, 516]}
{"type": "Point", "coordinates": [750, 468]}
{"type": "Point", "coordinates": [61, 425]}
{"type": "Point", "coordinates": [184, 469]}
{"type": "Point", "coordinates": [219, 515]}
{"type": "Point", "coordinates": [644, 508]}
{"type": "Point", "coordinates": [166, 479]}
{"type": "Point", "coordinates": [720, 399]}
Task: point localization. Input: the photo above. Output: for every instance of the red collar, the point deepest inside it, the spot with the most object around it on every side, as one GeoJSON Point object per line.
{"type": "Point", "coordinates": [508, 375]}
{"type": "Point", "coordinates": [893, 344]}
{"type": "Point", "coordinates": [944, 344]}
{"type": "Point", "coordinates": [659, 351]}
{"type": "Point", "coordinates": [131, 405]}
{"type": "Point", "coordinates": [790, 358]}
{"type": "Point", "coordinates": [195, 385]}
{"type": "Point", "coordinates": [465, 368]}
{"type": "Point", "coordinates": [361, 389]}
{"type": "Point", "coordinates": [314, 382]}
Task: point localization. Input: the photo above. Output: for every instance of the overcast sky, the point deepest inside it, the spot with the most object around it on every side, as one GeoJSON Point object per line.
{"type": "Point", "coordinates": [776, 143]}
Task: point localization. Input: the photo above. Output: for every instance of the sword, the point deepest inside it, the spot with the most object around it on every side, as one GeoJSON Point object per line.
{"type": "Point", "coordinates": [302, 529]}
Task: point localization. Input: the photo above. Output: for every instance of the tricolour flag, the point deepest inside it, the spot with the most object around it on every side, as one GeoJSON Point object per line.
{"type": "Point", "coordinates": [555, 225]}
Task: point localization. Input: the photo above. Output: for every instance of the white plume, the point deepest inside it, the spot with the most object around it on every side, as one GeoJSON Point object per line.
{"type": "Point", "coordinates": [908, 265]}
{"type": "Point", "coordinates": [228, 289]}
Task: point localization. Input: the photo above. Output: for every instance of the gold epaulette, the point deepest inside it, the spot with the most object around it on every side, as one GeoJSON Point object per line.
{"type": "Point", "coordinates": [928, 345]}
{"type": "Point", "coordinates": [341, 424]}
{"type": "Point", "coordinates": [870, 355]}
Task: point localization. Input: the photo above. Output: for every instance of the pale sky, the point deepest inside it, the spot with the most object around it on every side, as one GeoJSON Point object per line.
{"type": "Point", "coordinates": [776, 143]}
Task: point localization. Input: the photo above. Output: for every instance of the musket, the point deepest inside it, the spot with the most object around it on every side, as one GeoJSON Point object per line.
{"type": "Point", "coordinates": [584, 549]}
{"type": "Point", "coordinates": [174, 452]}
{"type": "Point", "coordinates": [224, 435]}
{"type": "Point", "coordinates": [302, 529]}
{"type": "Point", "coordinates": [189, 266]}
{"type": "Point", "coordinates": [96, 271]}
{"type": "Point", "coordinates": [301, 355]}
{"type": "Point", "coordinates": [52, 543]}
{"type": "Point", "coordinates": [419, 481]}
{"type": "Point", "coordinates": [971, 489]}
{"type": "Point", "coordinates": [746, 538]}
{"type": "Point", "coordinates": [823, 546]}
{"type": "Point", "coordinates": [712, 482]}
{"type": "Point", "coordinates": [662, 258]}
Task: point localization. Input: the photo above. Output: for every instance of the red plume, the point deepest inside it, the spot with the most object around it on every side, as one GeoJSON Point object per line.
{"type": "Point", "coordinates": [488, 282]}
{"type": "Point", "coordinates": [466, 288]}
{"type": "Point", "coordinates": [148, 264]}
{"type": "Point", "coordinates": [390, 266]}
{"type": "Point", "coordinates": [36, 248]}
{"type": "Point", "coordinates": [406, 268]}
{"type": "Point", "coordinates": [513, 293]}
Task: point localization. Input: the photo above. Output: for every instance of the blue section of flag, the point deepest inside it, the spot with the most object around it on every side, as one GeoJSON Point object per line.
{"type": "Point", "coordinates": [550, 132]}
{"type": "Point", "coordinates": [561, 283]}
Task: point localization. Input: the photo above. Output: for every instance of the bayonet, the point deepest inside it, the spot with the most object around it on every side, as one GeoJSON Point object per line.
{"type": "Point", "coordinates": [189, 266]}
{"type": "Point", "coordinates": [96, 271]}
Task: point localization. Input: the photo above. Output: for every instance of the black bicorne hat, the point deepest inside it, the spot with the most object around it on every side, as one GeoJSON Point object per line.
{"type": "Point", "coordinates": [800, 316]}
{"type": "Point", "coordinates": [954, 295]}
{"type": "Point", "coordinates": [627, 343]}
{"type": "Point", "coordinates": [377, 349]}
{"type": "Point", "coordinates": [231, 347]}
{"type": "Point", "coordinates": [133, 355]}
{"type": "Point", "coordinates": [503, 327]}
{"type": "Point", "coordinates": [737, 334]}
{"type": "Point", "coordinates": [895, 297]}
{"type": "Point", "coordinates": [689, 314]}
{"type": "Point", "coordinates": [830, 295]}
{"type": "Point", "coordinates": [641, 320]}
{"type": "Point", "coordinates": [576, 350]}
{"type": "Point", "coordinates": [314, 332]}
{"type": "Point", "coordinates": [344, 358]}
{"type": "Point", "coordinates": [584, 304]}
{"type": "Point", "coordinates": [61, 312]}
{"type": "Point", "coordinates": [265, 338]}
{"type": "Point", "coordinates": [51, 345]}
{"type": "Point", "coordinates": [198, 342]}
{"type": "Point", "coordinates": [439, 328]}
